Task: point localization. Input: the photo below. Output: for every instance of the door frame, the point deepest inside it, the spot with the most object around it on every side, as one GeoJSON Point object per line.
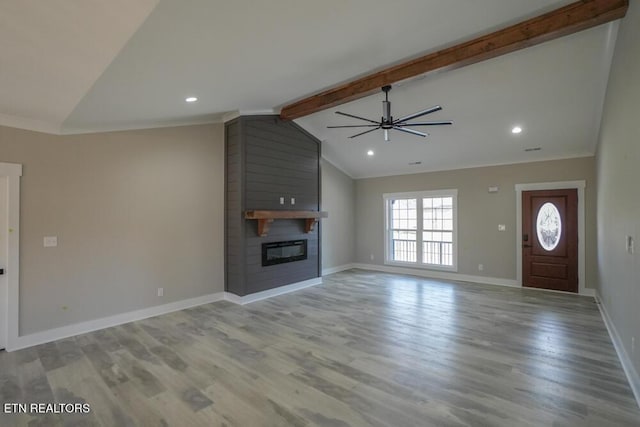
{"type": "Point", "coordinates": [558, 185]}
{"type": "Point", "coordinates": [12, 172]}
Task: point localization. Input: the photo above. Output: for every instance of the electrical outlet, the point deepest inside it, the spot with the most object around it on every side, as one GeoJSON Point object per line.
{"type": "Point", "coordinates": [293, 200]}
{"type": "Point", "coordinates": [282, 200]}
{"type": "Point", "coordinates": [160, 292]}
{"type": "Point", "coordinates": [480, 267]}
{"type": "Point", "coordinates": [502, 227]}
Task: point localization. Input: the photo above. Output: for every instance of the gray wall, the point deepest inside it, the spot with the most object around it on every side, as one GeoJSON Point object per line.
{"type": "Point", "coordinates": [268, 158]}
{"type": "Point", "coordinates": [234, 222]}
{"type": "Point", "coordinates": [338, 231]}
{"type": "Point", "coordinates": [479, 212]}
{"type": "Point", "coordinates": [133, 211]}
{"type": "Point", "coordinates": [618, 187]}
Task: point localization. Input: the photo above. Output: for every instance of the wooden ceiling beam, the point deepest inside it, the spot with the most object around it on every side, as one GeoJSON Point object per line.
{"type": "Point", "coordinates": [560, 22]}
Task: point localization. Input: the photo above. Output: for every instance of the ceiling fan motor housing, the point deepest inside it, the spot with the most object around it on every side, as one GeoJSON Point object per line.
{"type": "Point", "coordinates": [387, 120]}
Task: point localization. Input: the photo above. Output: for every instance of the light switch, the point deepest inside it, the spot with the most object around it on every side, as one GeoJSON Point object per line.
{"type": "Point", "coordinates": [50, 241]}
{"type": "Point", "coordinates": [293, 200]}
{"type": "Point", "coordinates": [282, 200]}
{"type": "Point", "coordinates": [502, 227]}
{"type": "Point", "coordinates": [493, 189]}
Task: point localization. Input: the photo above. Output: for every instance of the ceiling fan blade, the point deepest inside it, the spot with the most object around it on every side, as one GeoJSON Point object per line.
{"type": "Point", "coordinates": [357, 117]}
{"type": "Point", "coordinates": [411, 131]}
{"type": "Point", "coordinates": [446, 122]}
{"type": "Point", "coordinates": [366, 131]}
{"type": "Point", "coordinates": [352, 126]}
{"type": "Point", "coordinates": [418, 114]}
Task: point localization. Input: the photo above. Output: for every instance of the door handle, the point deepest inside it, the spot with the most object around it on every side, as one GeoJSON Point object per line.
{"type": "Point", "coordinates": [526, 246]}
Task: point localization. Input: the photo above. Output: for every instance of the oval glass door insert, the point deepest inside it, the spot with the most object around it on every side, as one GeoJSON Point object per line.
{"type": "Point", "coordinates": [549, 226]}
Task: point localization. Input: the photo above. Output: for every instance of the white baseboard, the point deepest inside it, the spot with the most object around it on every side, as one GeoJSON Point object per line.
{"type": "Point", "coordinates": [586, 292]}
{"type": "Point", "coordinates": [107, 322]}
{"type": "Point", "coordinates": [625, 361]}
{"type": "Point", "coordinates": [132, 316]}
{"type": "Point", "coordinates": [269, 293]}
{"type": "Point", "coordinates": [446, 275]}
{"type": "Point", "coordinates": [339, 268]}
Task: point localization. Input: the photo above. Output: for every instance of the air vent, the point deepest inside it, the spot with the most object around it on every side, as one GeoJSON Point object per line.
{"type": "Point", "coordinates": [532, 149]}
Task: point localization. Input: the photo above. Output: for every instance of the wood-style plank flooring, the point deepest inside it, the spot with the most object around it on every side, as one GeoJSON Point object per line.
{"type": "Point", "coordinates": [362, 349]}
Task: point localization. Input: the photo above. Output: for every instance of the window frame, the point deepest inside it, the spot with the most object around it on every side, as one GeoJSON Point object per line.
{"type": "Point", "coordinates": [388, 230]}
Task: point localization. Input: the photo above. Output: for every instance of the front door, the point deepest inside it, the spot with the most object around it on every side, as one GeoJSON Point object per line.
{"type": "Point", "coordinates": [550, 239]}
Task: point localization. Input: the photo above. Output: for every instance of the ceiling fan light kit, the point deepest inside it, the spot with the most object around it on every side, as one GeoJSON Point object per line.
{"type": "Point", "coordinates": [387, 122]}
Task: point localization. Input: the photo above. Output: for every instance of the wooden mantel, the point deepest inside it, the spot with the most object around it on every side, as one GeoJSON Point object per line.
{"type": "Point", "coordinates": [265, 218]}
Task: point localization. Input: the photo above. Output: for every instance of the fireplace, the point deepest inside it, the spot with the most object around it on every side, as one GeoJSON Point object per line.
{"type": "Point", "coordinates": [281, 252]}
{"type": "Point", "coordinates": [259, 181]}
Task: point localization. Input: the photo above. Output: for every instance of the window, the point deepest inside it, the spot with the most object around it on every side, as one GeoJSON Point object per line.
{"type": "Point", "coordinates": [549, 226]}
{"type": "Point", "coordinates": [421, 229]}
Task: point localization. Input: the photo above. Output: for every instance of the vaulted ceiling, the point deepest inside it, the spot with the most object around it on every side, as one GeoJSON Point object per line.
{"type": "Point", "coordinates": [52, 52]}
{"type": "Point", "coordinates": [69, 66]}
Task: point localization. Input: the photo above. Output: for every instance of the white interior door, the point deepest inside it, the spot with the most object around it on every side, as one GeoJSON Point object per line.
{"type": "Point", "coordinates": [4, 253]}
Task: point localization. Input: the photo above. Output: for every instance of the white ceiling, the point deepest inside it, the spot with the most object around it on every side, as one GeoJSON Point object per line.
{"type": "Point", "coordinates": [51, 53]}
{"type": "Point", "coordinates": [71, 66]}
{"type": "Point", "coordinates": [554, 91]}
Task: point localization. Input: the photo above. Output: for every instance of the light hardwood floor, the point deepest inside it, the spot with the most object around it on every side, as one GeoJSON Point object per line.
{"type": "Point", "coordinates": [362, 349]}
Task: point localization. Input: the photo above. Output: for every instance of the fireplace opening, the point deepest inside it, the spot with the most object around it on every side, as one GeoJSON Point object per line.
{"type": "Point", "coordinates": [282, 252]}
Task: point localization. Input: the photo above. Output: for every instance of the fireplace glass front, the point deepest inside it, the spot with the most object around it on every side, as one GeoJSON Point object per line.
{"type": "Point", "coordinates": [281, 252]}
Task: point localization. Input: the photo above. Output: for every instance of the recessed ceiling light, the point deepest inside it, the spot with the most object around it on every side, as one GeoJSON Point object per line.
{"type": "Point", "coordinates": [191, 99]}
{"type": "Point", "coordinates": [516, 130]}
{"type": "Point", "coordinates": [370, 153]}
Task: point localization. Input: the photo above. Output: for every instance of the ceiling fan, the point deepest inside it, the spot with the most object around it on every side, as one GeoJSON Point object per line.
{"type": "Point", "coordinates": [387, 122]}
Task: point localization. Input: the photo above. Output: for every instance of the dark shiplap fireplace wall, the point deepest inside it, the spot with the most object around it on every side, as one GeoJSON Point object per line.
{"type": "Point", "coordinates": [266, 159]}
